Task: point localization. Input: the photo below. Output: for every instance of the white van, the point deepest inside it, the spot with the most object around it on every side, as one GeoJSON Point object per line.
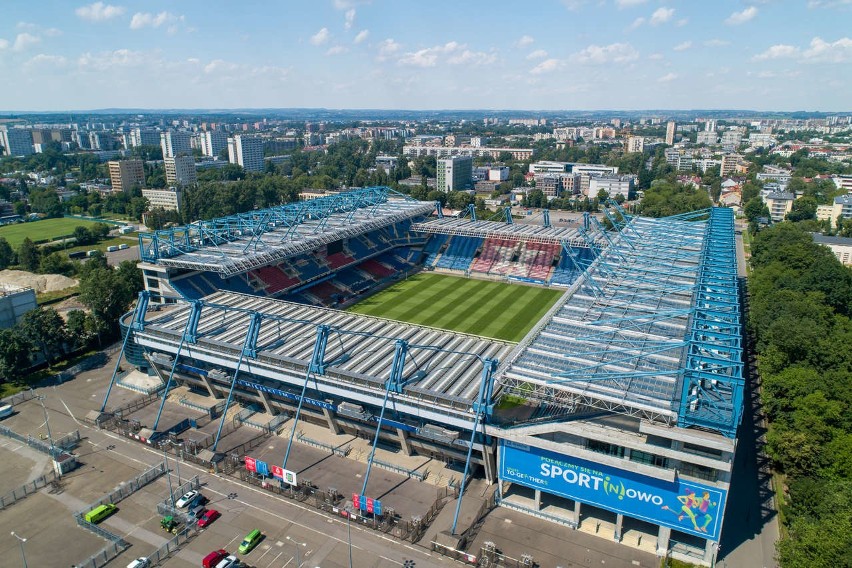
{"type": "Point", "coordinates": [5, 410]}
{"type": "Point", "coordinates": [139, 563]}
{"type": "Point", "coordinates": [112, 248]}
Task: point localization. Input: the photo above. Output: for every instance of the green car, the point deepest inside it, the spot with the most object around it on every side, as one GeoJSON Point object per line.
{"type": "Point", "coordinates": [250, 541]}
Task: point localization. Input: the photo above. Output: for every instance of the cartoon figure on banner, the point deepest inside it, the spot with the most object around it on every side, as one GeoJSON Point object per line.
{"type": "Point", "coordinates": [696, 508]}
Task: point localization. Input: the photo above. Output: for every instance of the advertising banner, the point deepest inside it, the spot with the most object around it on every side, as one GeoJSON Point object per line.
{"type": "Point", "coordinates": [261, 467]}
{"type": "Point", "coordinates": [276, 471]}
{"type": "Point", "coordinates": [250, 464]}
{"type": "Point", "coordinates": [289, 477]}
{"type": "Point", "coordinates": [689, 507]}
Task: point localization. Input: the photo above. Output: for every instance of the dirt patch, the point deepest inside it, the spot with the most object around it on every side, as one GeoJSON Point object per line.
{"type": "Point", "coordinates": [39, 282]}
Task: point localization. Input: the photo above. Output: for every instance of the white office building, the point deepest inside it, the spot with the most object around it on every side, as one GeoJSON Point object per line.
{"type": "Point", "coordinates": [175, 142]}
{"type": "Point", "coordinates": [213, 142]}
{"type": "Point", "coordinates": [455, 173]}
{"type": "Point", "coordinates": [247, 151]}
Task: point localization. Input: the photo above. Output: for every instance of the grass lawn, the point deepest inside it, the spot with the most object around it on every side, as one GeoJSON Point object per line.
{"type": "Point", "coordinates": [480, 307]}
{"type": "Point", "coordinates": [44, 230]}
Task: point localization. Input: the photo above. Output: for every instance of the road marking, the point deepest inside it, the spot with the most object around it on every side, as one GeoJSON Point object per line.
{"type": "Point", "coordinates": [71, 414]}
{"type": "Point", "coordinates": [230, 541]}
{"type": "Point", "coordinates": [273, 560]}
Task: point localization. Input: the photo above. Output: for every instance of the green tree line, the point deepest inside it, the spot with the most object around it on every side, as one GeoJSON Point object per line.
{"type": "Point", "coordinates": [800, 306]}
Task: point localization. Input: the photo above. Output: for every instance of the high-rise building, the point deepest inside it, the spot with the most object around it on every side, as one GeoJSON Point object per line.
{"type": "Point", "coordinates": [710, 126]}
{"type": "Point", "coordinates": [455, 173]}
{"type": "Point", "coordinates": [175, 142]}
{"type": "Point", "coordinates": [168, 199]}
{"type": "Point", "coordinates": [246, 151]}
{"type": "Point", "coordinates": [636, 144]}
{"type": "Point", "coordinates": [213, 142]}
{"type": "Point", "coordinates": [126, 174]}
{"type": "Point", "coordinates": [729, 164]}
{"type": "Point", "coordinates": [671, 127]}
{"type": "Point", "coordinates": [143, 137]}
{"type": "Point", "coordinates": [180, 170]}
{"type": "Point", "coordinates": [16, 141]}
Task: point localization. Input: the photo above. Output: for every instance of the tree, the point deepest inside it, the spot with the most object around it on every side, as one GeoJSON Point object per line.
{"type": "Point", "coordinates": [107, 292]}
{"type": "Point", "coordinates": [81, 329]}
{"type": "Point", "coordinates": [28, 255]}
{"type": "Point", "coordinates": [803, 209]}
{"type": "Point", "coordinates": [56, 263]}
{"type": "Point", "coordinates": [755, 208]}
{"type": "Point", "coordinates": [44, 328]}
{"type": "Point", "coordinates": [82, 235]}
{"type": "Point", "coordinates": [7, 255]}
{"type": "Point", "coordinates": [14, 354]}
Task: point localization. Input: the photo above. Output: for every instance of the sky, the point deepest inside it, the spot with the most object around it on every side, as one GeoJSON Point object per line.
{"type": "Point", "coordinates": [782, 55]}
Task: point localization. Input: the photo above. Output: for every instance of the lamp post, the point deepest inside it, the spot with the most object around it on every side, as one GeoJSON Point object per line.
{"type": "Point", "coordinates": [46, 421]}
{"type": "Point", "coordinates": [349, 512]}
{"type": "Point", "coordinates": [168, 473]}
{"type": "Point", "coordinates": [298, 555]}
{"type": "Point", "coordinates": [22, 540]}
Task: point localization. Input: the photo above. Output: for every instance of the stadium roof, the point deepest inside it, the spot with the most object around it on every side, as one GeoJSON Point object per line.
{"type": "Point", "coordinates": [441, 367]}
{"type": "Point", "coordinates": [634, 334]}
{"type": "Point", "coordinates": [484, 229]}
{"type": "Point", "coordinates": [239, 243]}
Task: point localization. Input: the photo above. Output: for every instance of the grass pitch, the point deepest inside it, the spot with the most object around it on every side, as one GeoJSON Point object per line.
{"type": "Point", "coordinates": [43, 230]}
{"type": "Point", "coordinates": [481, 307]}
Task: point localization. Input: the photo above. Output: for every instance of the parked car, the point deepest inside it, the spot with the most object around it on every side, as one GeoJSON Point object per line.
{"type": "Point", "coordinates": [186, 499]}
{"type": "Point", "coordinates": [139, 563]}
{"type": "Point", "coordinates": [213, 559]}
{"type": "Point", "coordinates": [229, 562]}
{"type": "Point", "coordinates": [208, 517]}
{"type": "Point", "coordinates": [250, 541]}
{"type": "Point", "coordinates": [5, 410]}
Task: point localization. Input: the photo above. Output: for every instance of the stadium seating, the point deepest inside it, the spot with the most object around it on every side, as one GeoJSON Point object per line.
{"type": "Point", "coordinates": [376, 268]}
{"type": "Point", "coordinates": [338, 260]}
{"type": "Point", "coordinates": [273, 279]}
{"type": "Point", "coordinates": [494, 250]}
{"type": "Point", "coordinates": [432, 248]}
{"type": "Point", "coordinates": [459, 253]}
{"type": "Point", "coordinates": [566, 271]}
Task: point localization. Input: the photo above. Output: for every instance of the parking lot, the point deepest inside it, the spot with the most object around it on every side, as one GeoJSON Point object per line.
{"type": "Point", "coordinates": [109, 460]}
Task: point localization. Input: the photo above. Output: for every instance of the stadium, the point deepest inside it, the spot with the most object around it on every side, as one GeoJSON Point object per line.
{"type": "Point", "coordinates": [615, 406]}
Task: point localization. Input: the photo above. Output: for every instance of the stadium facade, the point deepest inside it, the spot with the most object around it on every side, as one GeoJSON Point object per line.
{"type": "Point", "coordinates": [619, 407]}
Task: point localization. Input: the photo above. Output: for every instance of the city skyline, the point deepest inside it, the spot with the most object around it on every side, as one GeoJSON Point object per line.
{"type": "Point", "coordinates": [349, 54]}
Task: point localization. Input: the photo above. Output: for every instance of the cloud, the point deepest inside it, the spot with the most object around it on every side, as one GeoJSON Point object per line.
{"type": "Point", "coordinates": [537, 54]}
{"type": "Point", "coordinates": [144, 19]}
{"type": "Point", "coordinates": [4, 44]}
{"type": "Point", "coordinates": [682, 22]}
{"type": "Point", "coordinates": [667, 78]}
{"type": "Point", "coordinates": [777, 52]}
{"type": "Point", "coordinates": [349, 18]}
{"type": "Point", "coordinates": [600, 54]}
{"type": "Point", "coordinates": [49, 32]}
{"type": "Point", "coordinates": [25, 41]}
{"type": "Point", "coordinates": [336, 50]}
{"type": "Point", "coordinates": [828, 3]}
{"type": "Point", "coordinates": [546, 66]}
{"type": "Point", "coordinates": [320, 37]}
{"type": "Point", "coordinates": [661, 16]}
{"type": "Point", "coordinates": [453, 52]}
{"type": "Point", "coordinates": [468, 57]}
{"type": "Point", "coordinates": [716, 43]}
{"type": "Point", "coordinates": [637, 23]}
{"type": "Point", "coordinates": [656, 56]}
{"type": "Point", "coordinates": [629, 3]}
{"type": "Point", "coordinates": [834, 52]}
{"type": "Point", "coordinates": [524, 41]}
{"type": "Point", "coordinates": [99, 12]}
{"type": "Point", "coordinates": [44, 59]}
{"type": "Point", "coordinates": [738, 18]}
{"type": "Point", "coordinates": [110, 59]}
{"type": "Point", "coordinates": [683, 46]}
{"type": "Point", "coordinates": [362, 35]}
{"type": "Point", "coordinates": [818, 51]}
{"type": "Point", "coordinates": [573, 5]}
{"type": "Point", "coordinates": [388, 48]}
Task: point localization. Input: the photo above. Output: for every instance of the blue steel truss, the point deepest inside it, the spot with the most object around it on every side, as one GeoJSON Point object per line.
{"type": "Point", "coordinates": [651, 328]}
{"type": "Point", "coordinates": [712, 392]}
{"type": "Point", "coordinates": [250, 226]}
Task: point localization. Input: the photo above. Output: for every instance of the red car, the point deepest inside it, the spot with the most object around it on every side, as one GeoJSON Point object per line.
{"type": "Point", "coordinates": [208, 517]}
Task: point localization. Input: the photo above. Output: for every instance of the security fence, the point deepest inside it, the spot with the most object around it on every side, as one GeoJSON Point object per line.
{"type": "Point", "coordinates": [19, 397]}
{"type": "Point", "coordinates": [127, 489]}
{"type": "Point", "coordinates": [54, 451]}
{"type": "Point", "coordinates": [15, 495]}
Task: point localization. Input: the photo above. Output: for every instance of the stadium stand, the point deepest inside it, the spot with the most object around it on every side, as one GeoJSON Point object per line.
{"type": "Point", "coordinates": [459, 253]}
{"type": "Point", "coordinates": [433, 249]}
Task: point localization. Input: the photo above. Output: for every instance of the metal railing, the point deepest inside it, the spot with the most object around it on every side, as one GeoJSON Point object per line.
{"type": "Point", "coordinates": [27, 489]}
{"type": "Point", "coordinates": [19, 397]}
{"type": "Point", "coordinates": [128, 488]}
{"type": "Point", "coordinates": [53, 451]}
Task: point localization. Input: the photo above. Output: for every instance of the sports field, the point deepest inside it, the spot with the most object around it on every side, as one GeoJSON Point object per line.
{"type": "Point", "coordinates": [43, 230]}
{"type": "Point", "coordinates": [490, 309]}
